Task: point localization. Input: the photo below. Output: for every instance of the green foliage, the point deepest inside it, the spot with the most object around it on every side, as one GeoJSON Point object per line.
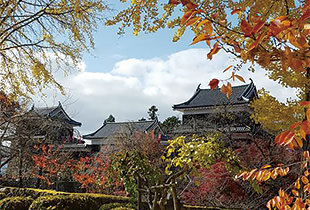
{"type": "Point", "coordinates": [170, 123]}
{"type": "Point", "coordinates": [152, 112]}
{"type": "Point", "coordinates": [111, 118]}
{"type": "Point", "coordinates": [64, 202]}
{"type": "Point", "coordinates": [27, 192]}
{"type": "Point", "coordinates": [197, 151]}
{"type": "Point", "coordinates": [35, 34]}
{"type": "Point", "coordinates": [15, 203]}
{"type": "Point", "coordinates": [130, 164]}
{"type": "Point", "coordinates": [109, 206]}
{"type": "Point", "coordinates": [36, 193]}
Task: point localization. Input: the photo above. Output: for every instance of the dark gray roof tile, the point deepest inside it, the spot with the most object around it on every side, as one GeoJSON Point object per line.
{"type": "Point", "coordinates": [207, 97]}
{"type": "Point", "coordinates": [109, 129]}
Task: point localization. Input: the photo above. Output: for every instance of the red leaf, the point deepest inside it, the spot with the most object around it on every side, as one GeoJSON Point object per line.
{"type": "Point", "coordinates": [306, 15]}
{"type": "Point", "coordinates": [214, 83]}
{"type": "Point", "coordinates": [259, 25]}
{"type": "Point", "coordinates": [304, 103]}
{"type": "Point", "coordinates": [174, 2]}
{"type": "Point", "coordinates": [246, 28]}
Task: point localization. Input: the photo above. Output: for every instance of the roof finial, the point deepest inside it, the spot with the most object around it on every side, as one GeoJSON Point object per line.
{"type": "Point", "coordinates": [198, 87]}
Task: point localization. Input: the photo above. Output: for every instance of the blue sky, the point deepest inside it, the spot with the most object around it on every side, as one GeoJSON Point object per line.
{"type": "Point", "coordinates": [126, 75]}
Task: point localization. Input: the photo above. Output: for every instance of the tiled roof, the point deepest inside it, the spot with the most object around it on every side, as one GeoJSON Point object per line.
{"type": "Point", "coordinates": [56, 112]}
{"type": "Point", "coordinates": [111, 128]}
{"type": "Point", "coordinates": [207, 97]}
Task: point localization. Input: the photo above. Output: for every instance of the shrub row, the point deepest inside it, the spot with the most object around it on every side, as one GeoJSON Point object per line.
{"type": "Point", "coordinates": [33, 199]}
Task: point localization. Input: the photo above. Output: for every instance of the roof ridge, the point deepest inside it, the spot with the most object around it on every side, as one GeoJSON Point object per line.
{"type": "Point", "coordinates": [126, 122]}
{"type": "Point", "coordinates": [220, 88]}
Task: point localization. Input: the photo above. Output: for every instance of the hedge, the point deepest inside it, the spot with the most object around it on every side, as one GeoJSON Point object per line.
{"type": "Point", "coordinates": [15, 203]}
{"type": "Point", "coordinates": [36, 193]}
{"type": "Point", "coordinates": [110, 206]}
{"type": "Point", "coordinates": [64, 202]}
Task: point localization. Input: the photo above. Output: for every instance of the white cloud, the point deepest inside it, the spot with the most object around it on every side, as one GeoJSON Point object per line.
{"type": "Point", "coordinates": [133, 85]}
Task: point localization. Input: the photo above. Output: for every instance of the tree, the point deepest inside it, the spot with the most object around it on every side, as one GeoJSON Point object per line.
{"type": "Point", "coordinates": [170, 123]}
{"type": "Point", "coordinates": [111, 118]}
{"type": "Point", "coordinates": [273, 34]}
{"type": "Point", "coordinates": [35, 36]}
{"type": "Point", "coordinates": [152, 112]}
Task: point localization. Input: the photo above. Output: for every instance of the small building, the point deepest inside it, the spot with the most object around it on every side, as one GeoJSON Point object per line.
{"type": "Point", "coordinates": [209, 110]}
{"type": "Point", "coordinates": [106, 137]}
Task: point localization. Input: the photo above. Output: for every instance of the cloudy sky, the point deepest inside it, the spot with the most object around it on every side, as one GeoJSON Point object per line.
{"type": "Point", "coordinates": [126, 75]}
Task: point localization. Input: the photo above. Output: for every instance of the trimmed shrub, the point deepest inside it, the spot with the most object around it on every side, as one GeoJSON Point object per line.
{"type": "Point", "coordinates": [64, 202]}
{"type": "Point", "coordinates": [15, 203]}
{"type": "Point", "coordinates": [27, 192]}
{"type": "Point", "coordinates": [35, 193]}
{"type": "Point", "coordinates": [3, 195]}
{"type": "Point", "coordinates": [110, 206]}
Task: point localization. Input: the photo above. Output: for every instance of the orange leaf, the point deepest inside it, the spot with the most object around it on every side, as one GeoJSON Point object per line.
{"type": "Point", "coordinates": [200, 38]}
{"type": "Point", "coordinates": [295, 125]}
{"type": "Point", "coordinates": [229, 90]}
{"type": "Point", "coordinates": [256, 42]}
{"type": "Point", "coordinates": [295, 192]}
{"type": "Point", "coordinates": [308, 114]}
{"type": "Point", "coordinates": [304, 180]}
{"type": "Point", "coordinates": [233, 75]}
{"type": "Point", "coordinates": [192, 21]}
{"type": "Point", "coordinates": [208, 28]}
{"type": "Point", "coordinates": [241, 174]}
{"type": "Point", "coordinates": [280, 138]}
{"type": "Point", "coordinates": [297, 184]}
{"type": "Point", "coordinates": [214, 83]}
{"type": "Point", "coordinates": [239, 78]}
{"type": "Point", "coordinates": [214, 50]}
{"type": "Point", "coordinates": [306, 154]}
{"type": "Point", "coordinates": [266, 175]}
{"type": "Point", "coordinates": [307, 188]}
{"type": "Point", "coordinates": [202, 23]}
{"type": "Point", "coordinates": [274, 174]}
{"type": "Point", "coordinates": [299, 141]}
{"type": "Point", "coordinates": [187, 15]}
{"type": "Point", "coordinates": [305, 164]}
{"type": "Point", "coordinates": [288, 138]}
{"type": "Point", "coordinates": [266, 166]}
{"type": "Point", "coordinates": [305, 129]}
{"type": "Point", "coordinates": [227, 68]}
{"type": "Point", "coordinates": [191, 5]}
{"type": "Point", "coordinates": [224, 89]}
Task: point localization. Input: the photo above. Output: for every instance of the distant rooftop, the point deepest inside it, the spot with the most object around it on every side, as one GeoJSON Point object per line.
{"type": "Point", "coordinates": [55, 112]}
{"type": "Point", "coordinates": [207, 97]}
{"type": "Point", "coordinates": [111, 128]}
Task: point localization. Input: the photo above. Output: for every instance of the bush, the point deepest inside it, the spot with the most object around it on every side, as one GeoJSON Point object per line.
{"type": "Point", "coordinates": [3, 195]}
{"type": "Point", "coordinates": [64, 202]}
{"type": "Point", "coordinates": [110, 206]}
{"type": "Point", "coordinates": [27, 192]}
{"type": "Point", "coordinates": [15, 203]}
{"type": "Point", "coordinates": [122, 208]}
